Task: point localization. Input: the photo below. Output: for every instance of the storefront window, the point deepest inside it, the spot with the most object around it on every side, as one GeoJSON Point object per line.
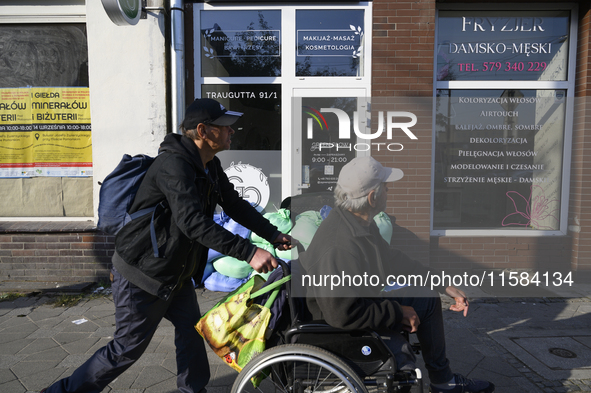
{"type": "Point", "coordinates": [329, 42]}
{"type": "Point", "coordinates": [240, 43]}
{"type": "Point", "coordinates": [500, 148]}
{"type": "Point", "coordinates": [253, 164]}
{"type": "Point", "coordinates": [45, 130]}
{"type": "Point", "coordinates": [498, 159]}
{"type": "Point", "coordinates": [502, 46]}
{"type": "Point", "coordinates": [260, 126]}
{"type": "Point", "coordinates": [257, 59]}
{"type": "Point", "coordinates": [323, 153]}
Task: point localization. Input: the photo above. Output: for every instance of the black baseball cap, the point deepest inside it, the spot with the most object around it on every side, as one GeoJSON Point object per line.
{"type": "Point", "coordinates": [208, 111]}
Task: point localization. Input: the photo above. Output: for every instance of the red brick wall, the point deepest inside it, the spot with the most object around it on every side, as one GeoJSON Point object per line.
{"type": "Point", "coordinates": [402, 66]}
{"type": "Point", "coordinates": [60, 257]}
{"type": "Point", "coordinates": [579, 212]}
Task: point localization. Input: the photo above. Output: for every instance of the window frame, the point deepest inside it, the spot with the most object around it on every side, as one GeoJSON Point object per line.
{"type": "Point", "coordinates": [290, 84]}
{"type": "Point", "coordinates": [39, 12]}
{"type": "Point", "coordinates": [568, 86]}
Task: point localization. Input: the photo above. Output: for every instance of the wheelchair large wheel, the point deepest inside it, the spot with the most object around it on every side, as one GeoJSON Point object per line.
{"type": "Point", "coordinates": [298, 368]}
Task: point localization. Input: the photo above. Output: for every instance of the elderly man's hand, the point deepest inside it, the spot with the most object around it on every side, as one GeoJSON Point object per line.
{"type": "Point", "coordinates": [410, 319]}
{"type": "Point", "coordinates": [283, 242]}
{"type": "Point", "coordinates": [263, 261]}
{"type": "Point", "coordinates": [461, 299]}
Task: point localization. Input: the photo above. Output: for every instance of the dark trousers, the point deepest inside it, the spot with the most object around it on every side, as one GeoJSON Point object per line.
{"type": "Point", "coordinates": [430, 333]}
{"type": "Point", "coordinates": [137, 315]}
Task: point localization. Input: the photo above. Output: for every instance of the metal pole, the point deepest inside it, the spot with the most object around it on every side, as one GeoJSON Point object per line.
{"type": "Point", "coordinates": [177, 63]}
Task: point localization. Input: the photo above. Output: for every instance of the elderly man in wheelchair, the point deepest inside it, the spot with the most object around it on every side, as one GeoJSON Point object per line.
{"type": "Point", "coordinates": [347, 337]}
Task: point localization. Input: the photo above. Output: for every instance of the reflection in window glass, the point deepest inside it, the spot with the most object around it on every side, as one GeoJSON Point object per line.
{"type": "Point", "coordinates": [329, 42]}
{"type": "Point", "coordinates": [502, 45]}
{"type": "Point", "coordinates": [498, 159]}
{"type": "Point", "coordinates": [323, 153]}
{"type": "Point", "coordinates": [46, 55]}
{"type": "Point", "coordinates": [260, 126]}
{"type": "Point", "coordinates": [240, 43]}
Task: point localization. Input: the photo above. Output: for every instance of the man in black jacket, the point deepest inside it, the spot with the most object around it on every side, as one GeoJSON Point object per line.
{"type": "Point", "coordinates": [187, 182]}
{"type": "Point", "coordinates": [348, 264]}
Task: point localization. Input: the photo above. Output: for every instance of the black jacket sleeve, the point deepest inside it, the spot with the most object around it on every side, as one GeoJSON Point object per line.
{"type": "Point", "coordinates": [189, 205]}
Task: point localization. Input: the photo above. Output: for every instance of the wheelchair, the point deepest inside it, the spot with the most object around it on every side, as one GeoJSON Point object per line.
{"type": "Point", "coordinates": [314, 357]}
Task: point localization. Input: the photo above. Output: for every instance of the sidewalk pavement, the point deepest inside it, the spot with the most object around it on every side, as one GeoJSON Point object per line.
{"type": "Point", "coordinates": [521, 344]}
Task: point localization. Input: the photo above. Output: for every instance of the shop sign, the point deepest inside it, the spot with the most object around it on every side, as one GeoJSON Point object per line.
{"type": "Point", "coordinates": [502, 46]}
{"type": "Point", "coordinates": [123, 12]}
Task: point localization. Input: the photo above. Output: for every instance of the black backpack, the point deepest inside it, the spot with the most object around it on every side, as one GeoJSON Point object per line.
{"type": "Point", "coordinates": [117, 193]}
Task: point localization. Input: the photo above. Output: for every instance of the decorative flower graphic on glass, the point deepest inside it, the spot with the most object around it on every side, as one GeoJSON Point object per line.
{"type": "Point", "coordinates": [533, 211]}
{"type": "Point", "coordinates": [357, 52]}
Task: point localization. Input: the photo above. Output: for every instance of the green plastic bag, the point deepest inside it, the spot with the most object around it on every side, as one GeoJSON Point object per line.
{"type": "Point", "coordinates": [236, 328]}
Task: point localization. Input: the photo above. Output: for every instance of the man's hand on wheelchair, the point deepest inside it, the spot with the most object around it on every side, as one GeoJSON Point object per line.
{"type": "Point", "coordinates": [283, 242]}
{"type": "Point", "coordinates": [461, 299]}
{"type": "Point", "coordinates": [410, 319]}
{"type": "Point", "coordinates": [263, 261]}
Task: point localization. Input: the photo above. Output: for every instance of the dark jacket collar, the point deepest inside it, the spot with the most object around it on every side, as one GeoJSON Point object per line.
{"type": "Point", "coordinates": [179, 144]}
{"type": "Point", "coordinates": [353, 223]}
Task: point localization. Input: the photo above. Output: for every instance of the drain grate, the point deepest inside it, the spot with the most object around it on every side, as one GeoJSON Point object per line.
{"type": "Point", "coordinates": [563, 353]}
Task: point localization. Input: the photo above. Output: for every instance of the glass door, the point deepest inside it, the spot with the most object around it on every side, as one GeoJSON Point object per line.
{"type": "Point", "coordinates": [326, 125]}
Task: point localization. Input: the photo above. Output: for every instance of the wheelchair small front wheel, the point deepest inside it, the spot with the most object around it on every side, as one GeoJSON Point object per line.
{"type": "Point", "coordinates": [298, 368]}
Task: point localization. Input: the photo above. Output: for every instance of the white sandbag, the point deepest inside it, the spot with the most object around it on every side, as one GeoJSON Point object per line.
{"type": "Point", "coordinates": [236, 268]}
{"type": "Point", "coordinates": [232, 267]}
{"type": "Point", "coordinates": [280, 219]}
{"type": "Point", "coordinates": [305, 227]}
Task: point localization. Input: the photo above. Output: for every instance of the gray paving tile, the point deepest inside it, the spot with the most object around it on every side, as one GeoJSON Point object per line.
{"type": "Point", "coordinates": [45, 333]}
{"type": "Point", "coordinates": [39, 345]}
{"type": "Point", "coordinates": [7, 361]}
{"type": "Point", "coordinates": [151, 359]}
{"type": "Point", "coordinates": [41, 379]}
{"type": "Point", "coordinates": [27, 368]}
{"type": "Point", "coordinates": [168, 385]}
{"type": "Point", "coordinates": [11, 347]}
{"type": "Point", "coordinates": [14, 386]}
{"type": "Point", "coordinates": [99, 344]}
{"type": "Point", "coordinates": [152, 375]}
{"type": "Point", "coordinates": [474, 347]}
{"type": "Point", "coordinates": [164, 331]}
{"type": "Point", "coordinates": [75, 311]}
{"type": "Point", "coordinates": [154, 344]}
{"type": "Point", "coordinates": [73, 361]}
{"type": "Point", "coordinates": [104, 332]}
{"type": "Point", "coordinates": [80, 346]}
{"type": "Point", "coordinates": [52, 354]}
{"type": "Point", "coordinates": [169, 364]}
{"type": "Point", "coordinates": [42, 313]}
{"type": "Point", "coordinates": [65, 338]}
{"type": "Point", "coordinates": [125, 380]}
{"type": "Point", "coordinates": [6, 376]}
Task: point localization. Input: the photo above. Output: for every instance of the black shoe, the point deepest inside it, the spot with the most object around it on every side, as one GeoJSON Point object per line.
{"type": "Point", "coordinates": [465, 385]}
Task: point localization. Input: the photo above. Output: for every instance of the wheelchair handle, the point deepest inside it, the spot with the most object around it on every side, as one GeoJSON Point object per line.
{"type": "Point", "coordinates": [284, 267]}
